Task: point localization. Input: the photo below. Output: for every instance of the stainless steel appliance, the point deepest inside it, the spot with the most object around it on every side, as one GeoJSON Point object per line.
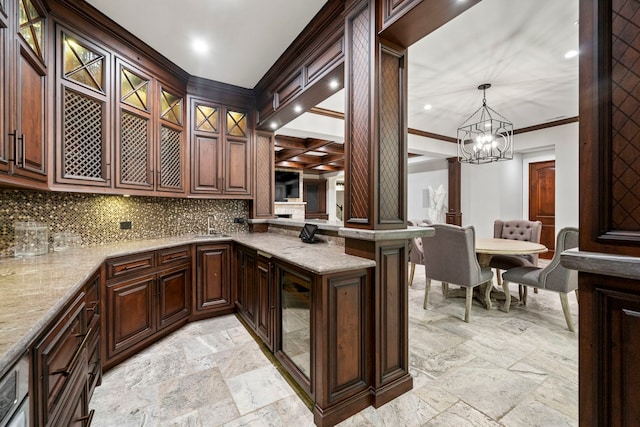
{"type": "Point", "coordinates": [14, 399]}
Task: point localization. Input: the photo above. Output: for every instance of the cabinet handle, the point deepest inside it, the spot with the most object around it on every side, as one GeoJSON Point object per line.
{"type": "Point", "coordinates": [15, 148]}
{"type": "Point", "coordinates": [176, 256]}
{"type": "Point", "coordinates": [137, 265]}
{"type": "Point", "coordinates": [20, 161]}
{"type": "Point", "coordinates": [66, 371]}
{"type": "Point", "coordinates": [88, 418]}
{"type": "Point", "coordinates": [93, 307]}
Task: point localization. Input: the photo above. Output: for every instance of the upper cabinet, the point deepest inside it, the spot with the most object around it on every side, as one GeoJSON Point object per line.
{"type": "Point", "coordinates": [143, 147]}
{"type": "Point", "coordinates": [83, 113]}
{"type": "Point", "coordinates": [23, 90]}
{"type": "Point", "coordinates": [221, 153]}
{"type": "Point", "coordinates": [150, 147]}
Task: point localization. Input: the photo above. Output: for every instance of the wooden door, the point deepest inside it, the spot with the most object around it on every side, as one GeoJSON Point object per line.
{"type": "Point", "coordinates": [171, 159]}
{"type": "Point", "coordinates": [213, 282]}
{"type": "Point", "coordinates": [174, 295]}
{"type": "Point", "coordinates": [542, 202]}
{"type": "Point", "coordinates": [206, 148]}
{"type": "Point", "coordinates": [237, 157]}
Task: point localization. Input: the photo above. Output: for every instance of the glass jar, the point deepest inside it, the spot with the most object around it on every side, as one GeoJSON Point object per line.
{"type": "Point", "coordinates": [31, 238]}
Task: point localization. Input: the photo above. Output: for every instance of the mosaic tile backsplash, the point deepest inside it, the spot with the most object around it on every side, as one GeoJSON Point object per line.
{"type": "Point", "coordinates": [97, 217]}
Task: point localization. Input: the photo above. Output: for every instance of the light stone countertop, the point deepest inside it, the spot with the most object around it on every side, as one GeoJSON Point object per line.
{"type": "Point", "coordinates": [627, 267]}
{"type": "Point", "coordinates": [34, 289]}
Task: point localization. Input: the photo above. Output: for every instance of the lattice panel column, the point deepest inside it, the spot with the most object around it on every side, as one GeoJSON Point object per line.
{"type": "Point", "coordinates": [375, 189]}
{"type": "Point", "coordinates": [375, 120]}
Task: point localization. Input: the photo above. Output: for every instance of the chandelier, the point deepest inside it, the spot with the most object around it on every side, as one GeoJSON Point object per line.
{"type": "Point", "coordinates": [486, 136]}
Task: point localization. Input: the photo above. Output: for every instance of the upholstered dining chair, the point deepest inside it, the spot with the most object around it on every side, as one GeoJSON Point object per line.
{"type": "Point", "coordinates": [416, 255]}
{"type": "Point", "coordinates": [516, 229]}
{"type": "Point", "coordinates": [450, 257]}
{"type": "Point", "coordinates": [553, 277]}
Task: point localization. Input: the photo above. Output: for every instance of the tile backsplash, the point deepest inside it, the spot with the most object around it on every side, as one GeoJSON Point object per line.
{"type": "Point", "coordinates": [97, 217]}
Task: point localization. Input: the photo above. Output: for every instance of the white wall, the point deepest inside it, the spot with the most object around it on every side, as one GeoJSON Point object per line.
{"type": "Point", "coordinates": [490, 191]}
{"type": "Point", "coordinates": [500, 190]}
{"type": "Point", "coordinates": [422, 175]}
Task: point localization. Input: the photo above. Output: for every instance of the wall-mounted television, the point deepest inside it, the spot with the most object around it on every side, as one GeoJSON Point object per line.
{"type": "Point", "coordinates": [287, 185]}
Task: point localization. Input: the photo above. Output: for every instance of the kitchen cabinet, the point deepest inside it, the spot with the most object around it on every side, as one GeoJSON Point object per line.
{"type": "Point", "coordinates": [256, 301]}
{"type": "Point", "coordinates": [246, 295]}
{"type": "Point", "coordinates": [66, 368]}
{"type": "Point", "coordinates": [150, 148]}
{"type": "Point", "coordinates": [23, 90]}
{"type": "Point", "coordinates": [147, 295]}
{"type": "Point", "coordinates": [213, 291]}
{"type": "Point", "coordinates": [265, 316]}
{"type": "Point", "coordinates": [147, 134]}
{"type": "Point", "coordinates": [83, 134]}
{"type": "Point", "coordinates": [221, 151]}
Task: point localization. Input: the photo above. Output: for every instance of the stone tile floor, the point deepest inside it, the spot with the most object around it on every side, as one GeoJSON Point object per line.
{"type": "Point", "coordinates": [501, 369]}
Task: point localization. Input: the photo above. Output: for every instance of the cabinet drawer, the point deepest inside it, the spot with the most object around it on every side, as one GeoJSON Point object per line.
{"type": "Point", "coordinates": [122, 266]}
{"type": "Point", "coordinates": [60, 360]}
{"type": "Point", "coordinates": [170, 255]}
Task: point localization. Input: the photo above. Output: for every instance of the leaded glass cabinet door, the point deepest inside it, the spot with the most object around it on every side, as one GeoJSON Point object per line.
{"type": "Point", "coordinates": [134, 128]}
{"type": "Point", "coordinates": [83, 154]}
{"type": "Point", "coordinates": [171, 157]}
{"type": "Point", "coordinates": [206, 148]}
{"type": "Point", "coordinates": [29, 120]}
{"type": "Point", "coordinates": [237, 161]}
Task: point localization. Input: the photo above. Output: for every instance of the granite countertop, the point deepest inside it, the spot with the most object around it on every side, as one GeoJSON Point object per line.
{"type": "Point", "coordinates": [34, 289]}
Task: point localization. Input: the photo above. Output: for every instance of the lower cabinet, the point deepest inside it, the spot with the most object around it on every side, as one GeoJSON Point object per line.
{"type": "Point", "coordinates": [245, 272]}
{"type": "Point", "coordinates": [213, 290]}
{"type": "Point", "coordinates": [66, 362]}
{"type": "Point", "coordinates": [144, 305]}
{"type": "Point", "coordinates": [266, 302]}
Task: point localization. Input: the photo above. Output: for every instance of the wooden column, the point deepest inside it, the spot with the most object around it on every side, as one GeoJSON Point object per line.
{"type": "Point", "coordinates": [454, 215]}
{"type": "Point", "coordinates": [376, 187]}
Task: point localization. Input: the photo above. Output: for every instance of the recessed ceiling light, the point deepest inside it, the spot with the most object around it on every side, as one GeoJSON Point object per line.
{"type": "Point", "coordinates": [297, 109]}
{"type": "Point", "coordinates": [274, 125]}
{"type": "Point", "coordinates": [428, 107]}
{"type": "Point", "coordinates": [333, 84]}
{"type": "Point", "coordinates": [200, 46]}
{"type": "Point", "coordinates": [571, 54]}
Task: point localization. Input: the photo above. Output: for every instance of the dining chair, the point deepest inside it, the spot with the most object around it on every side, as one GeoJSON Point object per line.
{"type": "Point", "coordinates": [515, 229]}
{"type": "Point", "coordinates": [416, 255]}
{"type": "Point", "coordinates": [554, 277]}
{"type": "Point", "coordinates": [450, 257]}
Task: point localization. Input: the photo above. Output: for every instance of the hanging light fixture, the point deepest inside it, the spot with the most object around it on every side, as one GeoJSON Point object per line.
{"type": "Point", "coordinates": [486, 136]}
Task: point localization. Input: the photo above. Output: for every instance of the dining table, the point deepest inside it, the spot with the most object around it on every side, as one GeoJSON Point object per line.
{"type": "Point", "coordinates": [486, 248]}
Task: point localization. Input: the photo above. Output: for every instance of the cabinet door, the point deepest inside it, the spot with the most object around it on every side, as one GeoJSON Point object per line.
{"type": "Point", "coordinates": [174, 295]}
{"type": "Point", "coordinates": [213, 282]}
{"type": "Point", "coordinates": [237, 160]}
{"type": "Point", "coordinates": [29, 121]}
{"type": "Point", "coordinates": [206, 148]}
{"type": "Point", "coordinates": [171, 161]}
{"type": "Point", "coordinates": [247, 293]}
{"type": "Point", "coordinates": [134, 155]}
{"type": "Point", "coordinates": [266, 307]}
{"type": "Point", "coordinates": [83, 117]}
{"type": "Point", "coordinates": [129, 313]}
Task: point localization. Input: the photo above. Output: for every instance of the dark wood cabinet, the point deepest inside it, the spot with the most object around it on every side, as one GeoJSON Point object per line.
{"type": "Point", "coordinates": [213, 290]}
{"type": "Point", "coordinates": [247, 296]}
{"type": "Point", "coordinates": [66, 362]}
{"type": "Point", "coordinates": [130, 313]}
{"type": "Point", "coordinates": [221, 153]}
{"type": "Point", "coordinates": [146, 296]}
{"type": "Point", "coordinates": [265, 316]}
{"type": "Point", "coordinates": [23, 91]}
{"type": "Point", "coordinates": [83, 113]}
